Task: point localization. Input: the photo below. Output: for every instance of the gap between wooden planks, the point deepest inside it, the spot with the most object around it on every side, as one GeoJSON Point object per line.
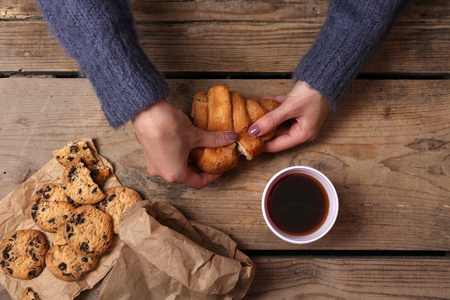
{"type": "Point", "coordinates": [350, 278]}
{"type": "Point", "coordinates": [385, 149]}
{"type": "Point", "coordinates": [238, 36]}
{"type": "Point", "coordinates": [279, 278]}
{"type": "Point", "coordinates": [421, 11]}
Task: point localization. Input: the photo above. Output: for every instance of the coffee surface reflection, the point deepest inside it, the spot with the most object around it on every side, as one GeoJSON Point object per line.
{"type": "Point", "coordinates": [298, 204]}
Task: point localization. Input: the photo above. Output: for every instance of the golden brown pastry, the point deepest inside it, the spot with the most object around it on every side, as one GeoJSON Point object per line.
{"type": "Point", "coordinates": [200, 110]}
{"type": "Point", "coordinates": [217, 160]}
{"type": "Point", "coordinates": [220, 114]}
{"type": "Point", "coordinates": [249, 146]}
{"type": "Point", "coordinates": [200, 114]}
{"type": "Point", "coordinates": [222, 110]}
{"type": "Point", "coordinates": [241, 120]}
{"type": "Point", "coordinates": [268, 105]}
{"type": "Point", "coordinates": [254, 109]}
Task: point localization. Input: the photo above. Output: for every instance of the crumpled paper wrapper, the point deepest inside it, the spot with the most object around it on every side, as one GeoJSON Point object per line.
{"type": "Point", "coordinates": [14, 216]}
{"type": "Point", "coordinates": [167, 256]}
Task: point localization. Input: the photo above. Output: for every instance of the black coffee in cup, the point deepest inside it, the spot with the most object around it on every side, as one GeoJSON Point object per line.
{"type": "Point", "coordinates": [297, 204]}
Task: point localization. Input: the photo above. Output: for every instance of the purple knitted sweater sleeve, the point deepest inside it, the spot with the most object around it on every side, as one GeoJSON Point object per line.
{"type": "Point", "coordinates": [352, 31]}
{"type": "Point", "coordinates": [101, 36]}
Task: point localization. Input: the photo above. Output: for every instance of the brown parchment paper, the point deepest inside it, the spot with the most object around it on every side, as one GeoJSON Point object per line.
{"type": "Point", "coordinates": [13, 216]}
{"type": "Point", "coordinates": [166, 256]}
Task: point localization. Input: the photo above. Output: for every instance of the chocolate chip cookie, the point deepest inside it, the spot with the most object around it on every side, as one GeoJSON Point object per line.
{"type": "Point", "coordinates": [99, 174]}
{"type": "Point", "coordinates": [79, 184]}
{"type": "Point", "coordinates": [55, 192]}
{"type": "Point", "coordinates": [117, 201]}
{"type": "Point", "coordinates": [89, 231]}
{"type": "Point", "coordinates": [49, 215]}
{"type": "Point", "coordinates": [58, 237]}
{"type": "Point", "coordinates": [29, 294]}
{"type": "Point", "coordinates": [73, 150]}
{"type": "Point", "coordinates": [23, 253]}
{"type": "Point", "coordinates": [66, 264]}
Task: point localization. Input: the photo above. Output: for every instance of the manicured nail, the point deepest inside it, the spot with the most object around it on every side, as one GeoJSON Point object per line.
{"type": "Point", "coordinates": [254, 130]}
{"type": "Point", "coordinates": [231, 135]}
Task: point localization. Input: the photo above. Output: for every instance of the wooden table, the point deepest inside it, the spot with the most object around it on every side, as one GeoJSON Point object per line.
{"type": "Point", "coordinates": [386, 148]}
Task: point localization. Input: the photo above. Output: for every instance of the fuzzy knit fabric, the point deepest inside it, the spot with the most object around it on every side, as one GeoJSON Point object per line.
{"type": "Point", "coordinates": [102, 38]}
{"type": "Point", "coordinates": [352, 31]}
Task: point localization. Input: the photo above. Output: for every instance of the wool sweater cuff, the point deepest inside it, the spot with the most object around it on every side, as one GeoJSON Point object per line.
{"type": "Point", "coordinates": [350, 34]}
{"type": "Point", "coordinates": [101, 36]}
{"type": "Point", "coordinates": [126, 82]}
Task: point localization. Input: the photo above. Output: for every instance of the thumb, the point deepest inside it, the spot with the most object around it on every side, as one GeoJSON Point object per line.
{"type": "Point", "coordinates": [268, 122]}
{"type": "Point", "coordinates": [215, 139]}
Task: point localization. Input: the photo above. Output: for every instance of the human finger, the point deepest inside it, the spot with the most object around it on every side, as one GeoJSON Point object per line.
{"type": "Point", "coordinates": [284, 142]}
{"type": "Point", "coordinates": [295, 134]}
{"type": "Point", "coordinates": [198, 180]}
{"type": "Point", "coordinates": [214, 139]}
{"type": "Point", "coordinates": [270, 121]}
{"type": "Point", "coordinates": [282, 129]}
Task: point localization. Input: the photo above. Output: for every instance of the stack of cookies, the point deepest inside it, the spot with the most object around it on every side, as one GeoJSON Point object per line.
{"type": "Point", "coordinates": [81, 215]}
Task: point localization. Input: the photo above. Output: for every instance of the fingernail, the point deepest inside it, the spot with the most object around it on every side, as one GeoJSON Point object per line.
{"type": "Point", "coordinates": [254, 130]}
{"type": "Point", "coordinates": [231, 135]}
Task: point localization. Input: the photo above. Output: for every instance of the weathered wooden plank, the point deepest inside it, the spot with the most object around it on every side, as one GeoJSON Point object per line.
{"type": "Point", "coordinates": [420, 48]}
{"type": "Point", "coordinates": [91, 294]}
{"type": "Point", "coordinates": [421, 11]}
{"type": "Point", "coordinates": [269, 10]}
{"type": "Point", "coordinates": [385, 149]}
{"type": "Point", "coordinates": [230, 47]}
{"type": "Point", "coordinates": [350, 278]}
{"type": "Point", "coordinates": [18, 10]}
{"type": "Point", "coordinates": [150, 10]}
{"type": "Point", "coordinates": [340, 278]}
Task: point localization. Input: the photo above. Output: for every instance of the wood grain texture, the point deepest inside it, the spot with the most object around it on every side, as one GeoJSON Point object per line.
{"type": "Point", "coordinates": [422, 11]}
{"type": "Point", "coordinates": [339, 278]}
{"type": "Point", "coordinates": [386, 149]}
{"type": "Point", "coordinates": [186, 10]}
{"type": "Point", "coordinates": [265, 38]}
{"type": "Point", "coordinates": [350, 278]}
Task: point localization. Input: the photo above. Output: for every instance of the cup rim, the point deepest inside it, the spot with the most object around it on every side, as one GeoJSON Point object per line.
{"type": "Point", "coordinates": [332, 210]}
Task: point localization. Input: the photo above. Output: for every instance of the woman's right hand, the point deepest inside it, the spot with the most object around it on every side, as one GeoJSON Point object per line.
{"type": "Point", "coordinates": [303, 107]}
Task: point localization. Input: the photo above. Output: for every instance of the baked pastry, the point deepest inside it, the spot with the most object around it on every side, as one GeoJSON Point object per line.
{"type": "Point", "coordinates": [79, 185]}
{"type": "Point", "coordinates": [29, 294]}
{"type": "Point", "coordinates": [241, 119]}
{"type": "Point", "coordinates": [58, 237]}
{"type": "Point", "coordinates": [200, 110]}
{"type": "Point", "coordinates": [80, 149]}
{"type": "Point", "coordinates": [99, 174]}
{"type": "Point", "coordinates": [89, 231]}
{"type": "Point", "coordinates": [222, 110]}
{"type": "Point", "coordinates": [218, 115]}
{"type": "Point", "coordinates": [117, 201]}
{"type": "Point", "coordinates": [72, 150]}
{"type": "Point", "coordinates": [268, 104]}
{"type": "Point", "coordinates": [55, 192]}
{"type": "Point", "coordinates": [249, 146]}
{"type": "Point", "coordinates": [215, 160]}
{"type": "Point", "coordinates": [256, 110]}
{"type": "Point", "coordinates": [23, 253]}
{"type": "Point", "coordinates": [49, 215]}
{"type": "Point", "coordinates": [68, 265]}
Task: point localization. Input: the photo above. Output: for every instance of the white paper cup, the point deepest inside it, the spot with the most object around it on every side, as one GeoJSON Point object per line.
{"type": "Point", "coordinates": [333, 205]}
